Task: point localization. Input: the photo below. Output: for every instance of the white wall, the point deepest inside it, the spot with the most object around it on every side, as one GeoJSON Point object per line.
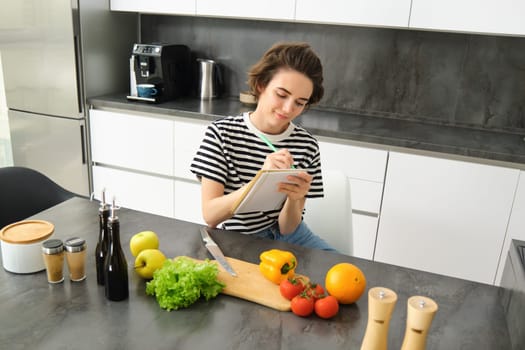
{"type": "Point", "coordinates": [6, 156]}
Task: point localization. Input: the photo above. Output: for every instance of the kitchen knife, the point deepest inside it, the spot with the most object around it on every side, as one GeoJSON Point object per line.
{"type": "Point", "coordinates": [214, 249]}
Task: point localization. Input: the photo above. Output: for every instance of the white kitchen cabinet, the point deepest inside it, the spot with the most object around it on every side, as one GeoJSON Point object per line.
{"type": "Point", "coordinates": [516, 227]}
{"type": "Point", "coordinates": [269, 9]}
{"type": "Point", "coordinates": [382, 13]}
{"type": "Point", "coordinates": [495, 17]}
{"type": "Point", "coordinates": [188, 135]}
{"type": "Point", "coordinates": [365, 170]}
{"type": "Point", "coordinates": [136, 191]}
{"type": "Point", "coordinates": [132, 141]}
{"type": "Point", "coordinates": [179, 7]}
{"type": "Point", "coordinates": [445, 216]}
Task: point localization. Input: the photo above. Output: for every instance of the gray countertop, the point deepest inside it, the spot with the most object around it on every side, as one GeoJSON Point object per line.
{"type": "Point", "coordinates": [493, 147]}
{"type": "Point", "coordinates": [38, 315]}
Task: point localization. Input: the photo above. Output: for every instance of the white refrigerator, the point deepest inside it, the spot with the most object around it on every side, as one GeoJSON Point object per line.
{"type": "Point", "coordinates": [56, 54]}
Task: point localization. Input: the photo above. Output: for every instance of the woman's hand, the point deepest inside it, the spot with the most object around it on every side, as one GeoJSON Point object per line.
{"type": "Point", "coordinates": [282, 159]}
{"type": "Point", "coordinates": [299, 186]}
{"type": "Point", "coordinates": [291, 213]}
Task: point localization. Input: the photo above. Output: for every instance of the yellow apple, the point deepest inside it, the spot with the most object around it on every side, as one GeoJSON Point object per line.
{"type": "Point", "coordinates": [143, 240]}
{"type": "Point", "coordinates": [148, 261]}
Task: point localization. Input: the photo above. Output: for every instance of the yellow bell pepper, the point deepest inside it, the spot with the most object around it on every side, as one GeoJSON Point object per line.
{"type": "Point", "coordinates": [277, 265]}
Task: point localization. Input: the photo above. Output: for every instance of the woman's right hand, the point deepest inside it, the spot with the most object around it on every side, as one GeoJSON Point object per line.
{"type": "Point", "coordinates": [282, 159]}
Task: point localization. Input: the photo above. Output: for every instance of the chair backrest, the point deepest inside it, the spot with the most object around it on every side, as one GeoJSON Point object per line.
{"type": "Point", "coordinates": [25, 192]}
{"type": "Point", "coordinates": [330, 217]}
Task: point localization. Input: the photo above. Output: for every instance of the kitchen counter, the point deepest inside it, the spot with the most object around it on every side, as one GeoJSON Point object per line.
{"type": "Point", "coordinates": [38, 315]}
{"type": "Point", "coordinates": [480, 145]}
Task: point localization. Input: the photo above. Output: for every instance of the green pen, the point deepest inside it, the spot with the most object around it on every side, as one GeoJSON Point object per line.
{"type": "Point", "coordinates": [268, 142]}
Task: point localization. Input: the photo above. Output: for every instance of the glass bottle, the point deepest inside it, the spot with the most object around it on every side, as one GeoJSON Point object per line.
{"type": "Point", "coordinates": [101, 250]}
{"type": "Point", "coordinates": [115, 267]}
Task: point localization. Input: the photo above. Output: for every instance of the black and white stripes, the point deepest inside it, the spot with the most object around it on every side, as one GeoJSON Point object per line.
{"type": "Point", "coordinates": [231, 153]}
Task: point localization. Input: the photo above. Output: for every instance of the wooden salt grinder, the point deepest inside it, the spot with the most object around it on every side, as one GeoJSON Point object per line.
{"type": "Point", "coordinates": [381, 303]}
{"type": "Point", "coordinates": [420, 312]}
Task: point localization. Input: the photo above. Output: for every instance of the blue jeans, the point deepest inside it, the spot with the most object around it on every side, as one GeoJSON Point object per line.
{"type": "Point", "coordinates": [302, 236]}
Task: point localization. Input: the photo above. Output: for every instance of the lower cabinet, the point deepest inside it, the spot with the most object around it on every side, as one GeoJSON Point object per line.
{"type": "Point", "coordinates": [445, 216]}
{"type": "Point", "coordinates": [365, 170]}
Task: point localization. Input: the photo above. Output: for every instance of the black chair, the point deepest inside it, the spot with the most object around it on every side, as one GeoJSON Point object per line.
{"type": "Point", "coordinates": [25, 192]}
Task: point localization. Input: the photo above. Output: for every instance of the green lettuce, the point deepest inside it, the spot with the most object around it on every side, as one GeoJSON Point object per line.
{"type": "Point", "coordinates": [182, 281]}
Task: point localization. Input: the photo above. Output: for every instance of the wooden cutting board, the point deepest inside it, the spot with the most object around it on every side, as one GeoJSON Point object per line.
{"type": "Point", "coordinates": [251, 285]}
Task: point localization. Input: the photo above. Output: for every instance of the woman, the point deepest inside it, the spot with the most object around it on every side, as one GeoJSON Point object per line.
{"type": "Point", "coordinates": [286, 81]}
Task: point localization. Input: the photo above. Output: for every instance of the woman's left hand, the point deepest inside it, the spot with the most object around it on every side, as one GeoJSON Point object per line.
{"type": "Point", "coordinates": [299, 186]}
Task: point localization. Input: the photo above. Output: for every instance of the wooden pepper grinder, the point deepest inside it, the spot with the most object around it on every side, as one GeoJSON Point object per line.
{"type": "Point", "coordinates": [381, 303]}
{"type": "Point", "coordinates": [420, 312]}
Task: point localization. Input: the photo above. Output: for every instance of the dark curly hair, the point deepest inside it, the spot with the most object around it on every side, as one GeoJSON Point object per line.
{"type": "Point", "coordinates": [293, 55]}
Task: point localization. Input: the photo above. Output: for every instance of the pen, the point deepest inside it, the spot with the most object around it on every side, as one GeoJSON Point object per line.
{"type": "Point", "coordinates": [272, 147]}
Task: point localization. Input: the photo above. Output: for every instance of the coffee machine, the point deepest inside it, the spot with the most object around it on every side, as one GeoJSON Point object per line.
{"type": "Point", "coordinates": [159, 72]}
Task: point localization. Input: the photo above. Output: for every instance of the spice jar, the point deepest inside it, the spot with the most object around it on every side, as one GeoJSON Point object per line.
{"type": "Point", "coordinates": [76, 258]}
{"type": "Point", "coordinates": [53, 254]}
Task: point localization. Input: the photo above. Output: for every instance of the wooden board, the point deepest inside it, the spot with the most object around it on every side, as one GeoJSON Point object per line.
{"type": "Point", "coordinates": [251, 285]}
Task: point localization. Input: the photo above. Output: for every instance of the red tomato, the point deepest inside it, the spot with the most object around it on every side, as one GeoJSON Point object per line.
{"type": "Point", "coordinates": [302, 305]}
{"type": "Point", "coordinates": [326, 307]}
{"type": "Point", "coordinates": [291, 287]}
{"type": "Point", "coordinates": [315, 291]}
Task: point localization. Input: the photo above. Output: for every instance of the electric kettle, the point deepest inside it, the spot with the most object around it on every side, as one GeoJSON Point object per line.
{"type": "Point", "coordinates": [209, 83]}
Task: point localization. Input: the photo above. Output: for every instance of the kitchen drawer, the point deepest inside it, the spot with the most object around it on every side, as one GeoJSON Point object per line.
{"type": "Point", "coordinates": [142, 192]}
{"type": "Point", "coordinates": [364, 235]}
{"type": "Point", "coordinates": [356, 162]}
{"type": "Point", "coordinates": [132, 141]}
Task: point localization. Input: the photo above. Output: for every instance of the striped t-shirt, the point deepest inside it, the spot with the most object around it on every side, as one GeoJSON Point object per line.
{"type": "Point", "coordinates": [231, 153]}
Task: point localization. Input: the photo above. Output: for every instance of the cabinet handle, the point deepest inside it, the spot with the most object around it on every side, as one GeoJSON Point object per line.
{"type": "Point", "coordinates": [365, 213]}
{"type": "Point", "coordinates": [83, 144]}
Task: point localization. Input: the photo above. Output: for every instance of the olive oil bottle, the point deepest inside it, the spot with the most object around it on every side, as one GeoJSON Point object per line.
{"type": "Point", "coordinates": [101, 251]}
{"type": "Point", "coordinates": [115, 267]}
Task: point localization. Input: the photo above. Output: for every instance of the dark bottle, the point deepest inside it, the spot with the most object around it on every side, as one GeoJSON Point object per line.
{"type": "Point", "coordinates": [115, 267]}
{"type": "Point", "coordinates": [101, 251]}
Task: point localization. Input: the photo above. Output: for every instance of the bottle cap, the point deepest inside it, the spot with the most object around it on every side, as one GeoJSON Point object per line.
{"type": "Point", "coordinates": [52, 246]}
{"type": "Point", "coordinates": [75, 244]}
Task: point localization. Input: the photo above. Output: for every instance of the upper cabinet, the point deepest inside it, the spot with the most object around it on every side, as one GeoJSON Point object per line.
{"type": "Point", "coordinates": [496, 17]}
{"type": "Point", "coordinates": [470, 16]}
{"type": "Point", "coordinates": [380, 13]}
{"type": "Point", "coordinates": [179, 7]}
{"type": "Point", "coordinates": [269, 9]}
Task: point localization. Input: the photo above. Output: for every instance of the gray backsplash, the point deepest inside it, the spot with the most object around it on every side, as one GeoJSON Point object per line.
{"type": "Point", "coordinates": [456, 79]}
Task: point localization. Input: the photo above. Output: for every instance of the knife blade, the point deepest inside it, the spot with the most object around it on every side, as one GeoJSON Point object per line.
{"type": "Point", "coordinates": [214, 249]}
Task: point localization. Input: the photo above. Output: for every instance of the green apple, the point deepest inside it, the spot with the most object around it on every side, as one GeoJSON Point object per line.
{"type": "Point", "coordinates": [148, 261]}
{"type": "Point", "coordinates": [143, 240]}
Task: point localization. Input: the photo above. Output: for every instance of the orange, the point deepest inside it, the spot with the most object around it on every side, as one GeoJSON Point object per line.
{"type": "Point", "coordinates": [346, 282]}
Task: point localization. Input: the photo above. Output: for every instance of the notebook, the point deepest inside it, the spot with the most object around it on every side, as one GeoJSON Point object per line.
{"type": "Point", "coordinates": [261, 193]}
